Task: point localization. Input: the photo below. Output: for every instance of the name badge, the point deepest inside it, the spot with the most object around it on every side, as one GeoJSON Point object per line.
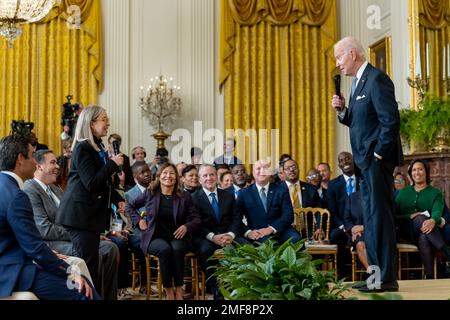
{"type": "Point", "coordinates": [117, 225]}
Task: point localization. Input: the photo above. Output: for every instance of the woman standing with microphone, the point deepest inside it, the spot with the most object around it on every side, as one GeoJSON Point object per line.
{"type": "Point", "coordinates": [85, 207]}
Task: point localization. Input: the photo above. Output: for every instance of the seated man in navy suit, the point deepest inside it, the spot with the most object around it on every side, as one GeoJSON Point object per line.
{"type": "Point", "coordinates": [267, 208]}
{"type": "Point", "coordinates": [26, 262]}
{"type": "Point", "coordinates": [353, 224]}
{"type": "Point", "coordinates": [142, 177]}
{"type": "Point", "coordinates": [220, 221]}
{"type": "Point", "coordinates": [339, 189]}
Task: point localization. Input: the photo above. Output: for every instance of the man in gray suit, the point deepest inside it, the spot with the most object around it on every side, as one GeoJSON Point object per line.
{"type": "Point", "coordinates": [45, 197]}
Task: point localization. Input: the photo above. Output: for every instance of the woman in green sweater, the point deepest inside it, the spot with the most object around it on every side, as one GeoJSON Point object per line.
{"type": "Point", "coordinates": [420, 207]}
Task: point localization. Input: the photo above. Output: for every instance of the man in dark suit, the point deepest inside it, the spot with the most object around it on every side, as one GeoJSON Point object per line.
{"type": "Point", "coordinates": [374, 122]}
{"type": "Point", "coordinates": [339, 189]}
{"type": "Point", "coordinates": [220, 221]}
{"type": "Point", "coordinates": [26, 262]}
{"type": "Point", "coordinates": [302, 194]}
{"type": "Point", "coordinates": [267, 208]}
{"type": "Point", "coordinates": [143, 177]}
{"type": "Point", "coordinates": [228, 156]}
{"type": "Point", "coordinates": [353, 223]}
{"type": "Point", "coordinates": [45, 198]}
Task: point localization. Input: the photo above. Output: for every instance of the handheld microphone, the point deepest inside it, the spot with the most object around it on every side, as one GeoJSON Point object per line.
{"type": "Point", "coordinates": [115, 145]}
{"type": "Point", "coordinates": [337, 85]}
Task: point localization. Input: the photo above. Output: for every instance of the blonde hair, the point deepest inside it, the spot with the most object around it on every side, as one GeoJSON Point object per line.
{"type": "Point", "coordinates": [83, 130]}
{"type": "Point", "coordinates": [349, 43]}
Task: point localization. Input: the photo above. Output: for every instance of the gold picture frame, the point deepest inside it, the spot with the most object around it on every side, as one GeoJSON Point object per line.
{"type": "Point", "coordinates": [380, 55]}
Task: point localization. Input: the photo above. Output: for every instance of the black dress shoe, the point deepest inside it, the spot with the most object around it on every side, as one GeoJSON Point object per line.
{"type": "Point", "coordinates": [385, 287]}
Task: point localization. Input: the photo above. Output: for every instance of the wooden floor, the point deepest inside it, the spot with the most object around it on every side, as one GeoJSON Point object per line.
{"type": "Point", "coordinates": [438, 289]}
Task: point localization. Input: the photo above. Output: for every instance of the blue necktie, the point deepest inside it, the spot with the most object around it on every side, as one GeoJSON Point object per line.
{"type": "Point", "coordinates": [355, 80]}
{"type": "Point", "coordinates": [215, 205]}
{"type": "Point", "coordinates": [349, 186]}
{"type": "Point", "coordinates": [263, 196]}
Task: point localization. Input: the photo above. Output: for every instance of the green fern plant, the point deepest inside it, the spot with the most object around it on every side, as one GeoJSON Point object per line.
{"type": "Point", "coordinates": [275, 272]}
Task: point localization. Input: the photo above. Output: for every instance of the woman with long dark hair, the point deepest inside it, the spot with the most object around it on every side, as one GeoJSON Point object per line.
{"type": "Point", "coordinates": [170, 220]}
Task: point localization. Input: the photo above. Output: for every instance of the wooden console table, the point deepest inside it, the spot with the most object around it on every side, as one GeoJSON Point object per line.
{"type": "Point", "coordinates": [439, 170]}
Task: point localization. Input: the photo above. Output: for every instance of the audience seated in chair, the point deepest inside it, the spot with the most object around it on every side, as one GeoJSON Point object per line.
{"type": "Point", "coordinates": [338, 192]}
{"type": "Point", "coordinates": [163, 236]}
{"type": "Point", "coordinates": [419, 210]}
{"type": "Point", "coordinates": [267, 208]}
{"type": "Point", "coordinates": [189, 179]}
{"type": "Point", "coordinates": [220, 224]}
{"type": "Point", "coordinates": [45, 197]}
{"type": "Point", "coordinates": [26, 262]}
{"type": "Point", "coordinates": [239, 179]}
{"type": "Point", "coordinates": [353, 224]}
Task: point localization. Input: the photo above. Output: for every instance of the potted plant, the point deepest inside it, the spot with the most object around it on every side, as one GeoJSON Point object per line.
{"type": "Point", "coordinates": [434, 122]}
{"type": "Point", "coordinates": [408, 123]}
{"type": "Point", "coordinates": [427, 127]}
{"type": "Point", "coordinates": [274, 272]}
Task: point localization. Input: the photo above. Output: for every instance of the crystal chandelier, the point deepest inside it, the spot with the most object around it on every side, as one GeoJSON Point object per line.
{"type": "Point", "coordinates": [160, 105]}
{"type": "Point", "coordinates": [16, 12]}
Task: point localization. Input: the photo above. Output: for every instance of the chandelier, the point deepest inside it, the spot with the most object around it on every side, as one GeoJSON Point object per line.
{"type": "Point", "coordinates": [16, 12]}
{"type": "Point", "coordinates": [160, 105]}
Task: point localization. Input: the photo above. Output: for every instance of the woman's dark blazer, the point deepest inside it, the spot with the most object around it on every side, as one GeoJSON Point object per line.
{"type": "Point", "coordinates": [85, 204]}
{"type": "Point", "coordinates": [184, 212]}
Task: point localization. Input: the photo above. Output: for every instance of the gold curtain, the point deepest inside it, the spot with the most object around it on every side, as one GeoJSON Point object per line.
{"type": "Point", "coordinates": [51, 59]}
{"type": "Point", "coordinates": [276, 70]}
{"type": "Point", "coordinates": [434, 30]}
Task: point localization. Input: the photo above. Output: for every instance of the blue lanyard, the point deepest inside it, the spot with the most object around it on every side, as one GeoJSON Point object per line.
{"type": "Point", "coordinates": [102, 155]}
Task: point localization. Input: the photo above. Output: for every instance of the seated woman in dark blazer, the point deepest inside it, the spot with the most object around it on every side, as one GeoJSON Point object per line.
{"type": "Point", "coordinates": [171, 218]}
{"type": "Point", "coordinates": [420, 207]}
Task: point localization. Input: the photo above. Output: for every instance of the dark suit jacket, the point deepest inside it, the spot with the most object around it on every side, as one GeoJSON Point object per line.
{"type": "Point", "coordinates": [310, 197]}
{"type": "Point", "coordinates": [20, 242]}
{"type": "Point", "coordinates": [353, 211]}
{"type": "Point", "coordinates": [374, 120]}
{"type": "Point", "coordinates": [221, 160]}
{"type": "Point", "coordinates": [184, 212]}
{"type": "Point", "coordinates": [280, 214]}
{"type": "Point", "coordinates": [229, 217]}
{"type": "Point", "coordinates": [44, 211]}
{"type": "Point", "coordinates": [85, 204]}
{"type": "Point", "coordinates": [130, 195]}
{"type": "Point", "coordinates": [337, 198]}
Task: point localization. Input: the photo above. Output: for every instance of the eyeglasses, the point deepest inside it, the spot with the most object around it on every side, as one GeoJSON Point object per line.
{"type": "Point", "coordinates": [312, 176]}
{"type": "Point", "coordinates": [106, 119]}
{"type": "Point", "coordinates": [399, 180]}
{"type": "Point", "coordinates": [291, 168]}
